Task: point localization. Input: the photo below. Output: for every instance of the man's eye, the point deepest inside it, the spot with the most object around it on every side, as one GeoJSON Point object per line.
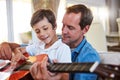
{"type": "Point", "coordinates": [45, 28]}
{"type": "Point", "coordinates": [70, 27]}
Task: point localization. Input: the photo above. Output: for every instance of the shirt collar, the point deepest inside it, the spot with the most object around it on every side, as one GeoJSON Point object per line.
{"type": "Point", "coordinates": [80, 46]}
{"type": "Point", "coordinates": [54, 46]}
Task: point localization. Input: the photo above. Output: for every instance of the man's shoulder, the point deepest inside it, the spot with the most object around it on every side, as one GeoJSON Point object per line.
{"type": "Point", "coordinates": [89, 50]}
{"type": "Point", "coordinates": [89, 53]}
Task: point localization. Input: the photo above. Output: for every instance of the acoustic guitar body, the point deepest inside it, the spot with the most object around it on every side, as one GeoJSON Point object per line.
{"type": "Point", "coordinates": [25, 74]}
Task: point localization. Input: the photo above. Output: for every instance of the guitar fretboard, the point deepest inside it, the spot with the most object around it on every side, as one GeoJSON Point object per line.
{"type": "Point", "coordinates": [63, 67]}
{"type": "Point", "coordinates": [70, 67]}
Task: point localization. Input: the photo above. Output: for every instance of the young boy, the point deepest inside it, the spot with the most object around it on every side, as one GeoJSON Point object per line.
{"type": "Point", "coordinates": [43, 23]}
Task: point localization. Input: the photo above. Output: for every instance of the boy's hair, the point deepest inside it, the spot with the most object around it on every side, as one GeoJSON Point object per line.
{"type": "Point", "coordinates": [41, 14]}
{"type": "Point", "coordinates": [86, 14]}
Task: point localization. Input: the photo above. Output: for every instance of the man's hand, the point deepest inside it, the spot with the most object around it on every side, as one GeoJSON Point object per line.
{"type": "Point", "coordinates": [5, 51]}
{"type": "Point", "coordinates": [39, 71]}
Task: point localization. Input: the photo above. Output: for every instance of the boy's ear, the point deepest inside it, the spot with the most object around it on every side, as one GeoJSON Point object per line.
{"type": "Point", "coordinates": [85, 30]}
{"type": "Point", "coordinates": [55, 27]}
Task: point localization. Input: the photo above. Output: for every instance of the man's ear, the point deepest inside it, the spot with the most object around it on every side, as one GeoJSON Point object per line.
{"type": "Point", "coordinates": [85, 30]}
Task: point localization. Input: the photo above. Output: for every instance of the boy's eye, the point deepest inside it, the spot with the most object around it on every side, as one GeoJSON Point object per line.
{"type": "Point", "coordinates": [37, 31]}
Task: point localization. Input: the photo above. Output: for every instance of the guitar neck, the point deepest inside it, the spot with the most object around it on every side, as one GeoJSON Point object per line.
{"type": "Point", "coordinates": [71, 67]}
{"type": "Point", "coordinates": [104, 70]}
{"type": "Point", "coordinates": [65, 67]}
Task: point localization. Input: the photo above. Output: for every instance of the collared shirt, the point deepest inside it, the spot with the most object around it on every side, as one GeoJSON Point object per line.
{"type": "Point", "coordinates": [84, 52]}
{"type": "Point", "coordinates": [59, 51]}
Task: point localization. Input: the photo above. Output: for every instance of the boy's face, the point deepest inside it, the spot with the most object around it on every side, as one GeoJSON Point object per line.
{"type": "Point", "coordinates": [44, 31]}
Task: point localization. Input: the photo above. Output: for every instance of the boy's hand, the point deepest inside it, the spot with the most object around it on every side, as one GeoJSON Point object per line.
{"type": "Point", "coordinates": [16, 57]}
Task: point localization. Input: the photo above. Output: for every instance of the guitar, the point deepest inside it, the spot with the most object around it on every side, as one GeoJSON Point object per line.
{"type": "Point", "coordinates": [19, 74]}
{"type": "Point", "coordinates": [103, 70]}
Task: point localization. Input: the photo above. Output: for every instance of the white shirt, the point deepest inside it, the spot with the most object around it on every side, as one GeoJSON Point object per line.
{"type": "Point", "coordinates": [58, 50]}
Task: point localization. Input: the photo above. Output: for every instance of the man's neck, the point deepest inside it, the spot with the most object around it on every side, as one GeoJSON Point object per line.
{"type": "Point", "coordinates": [74, 44]}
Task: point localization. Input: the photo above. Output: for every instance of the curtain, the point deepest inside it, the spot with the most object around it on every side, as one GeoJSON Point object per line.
{"type": "Point", "coordinates": [51, 4]}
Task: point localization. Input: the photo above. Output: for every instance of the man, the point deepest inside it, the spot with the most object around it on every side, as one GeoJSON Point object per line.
{"type": "Point", "coordinates": [76, 22]}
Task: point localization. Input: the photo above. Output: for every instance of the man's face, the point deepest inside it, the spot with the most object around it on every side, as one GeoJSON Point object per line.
{"type": "Point", "coordinates": [44, 31]}
{"type": "Point", "coordinates": [71, 31]}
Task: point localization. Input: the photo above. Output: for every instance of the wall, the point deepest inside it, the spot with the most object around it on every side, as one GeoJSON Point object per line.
{"type": "Point", "coordinates": [88, 2]}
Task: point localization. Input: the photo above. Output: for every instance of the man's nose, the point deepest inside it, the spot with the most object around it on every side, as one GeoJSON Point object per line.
{"type": "Point", "coordinates": [64, 30]}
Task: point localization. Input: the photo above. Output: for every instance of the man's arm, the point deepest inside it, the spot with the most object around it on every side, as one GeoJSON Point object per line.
{"type": "Point", "coordinates": [6, 49]}
{"type": "Point", "coordinates": [14, 45]}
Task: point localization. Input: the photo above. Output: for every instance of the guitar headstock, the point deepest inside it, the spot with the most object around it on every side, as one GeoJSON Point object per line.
{"type": "Point", "coordinates": [108, 71]}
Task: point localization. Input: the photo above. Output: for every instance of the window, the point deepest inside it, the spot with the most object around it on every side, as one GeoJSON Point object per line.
{"type": "Point", "coordinates": [3, 22]}
{"type": "Point", "coordinates": [19, 18]}
{"type": "Point", "coordinates": [22, 12]}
